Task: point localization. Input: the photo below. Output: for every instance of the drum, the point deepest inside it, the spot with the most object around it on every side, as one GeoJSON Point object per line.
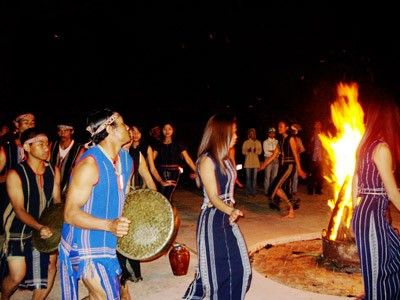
{"type": "Point", "coordinates": [53, 216]}
{"type": "Point", "coordinates": [153, 227]}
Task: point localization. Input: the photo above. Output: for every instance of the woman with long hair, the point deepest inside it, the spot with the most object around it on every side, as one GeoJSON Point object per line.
{"type": "Point", "coordinates": [373, 186]}
{"type": "Point", "coordinates": [223, 270]}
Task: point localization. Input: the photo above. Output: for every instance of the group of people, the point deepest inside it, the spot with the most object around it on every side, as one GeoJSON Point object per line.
{"type": "Point", "coordinates": [102, 177]}
{"type": "Point", "coordinates": [38, 173]}
{"type": "Point", "coordinates": [282, 164]}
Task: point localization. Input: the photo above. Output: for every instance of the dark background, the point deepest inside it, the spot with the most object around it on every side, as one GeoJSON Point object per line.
{"type": "Point", "coordinates": [185, 60]}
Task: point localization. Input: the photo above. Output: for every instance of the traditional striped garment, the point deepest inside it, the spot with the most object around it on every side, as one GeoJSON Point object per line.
{"type": "Point", "coordinates": [377, 242]}
{"type": "Point", "coordinates": [223, 271]}
{"type": "Point", "coordinates": [141, 148]}
{"type": "Point", "coordinates": [167, 163]}
{"type": "Point", "coordinates": [87, 249]}
{"type": "Point", "coordinates": [14, 155]}
{"type": "Point", "coordinates": [67, 164]}
{"type": "Point", "coordinates": [38, 191]}
{"type": "Point", "coordinates": [286, 153]}
{"type": "Point", "coordinates": [286, 170]}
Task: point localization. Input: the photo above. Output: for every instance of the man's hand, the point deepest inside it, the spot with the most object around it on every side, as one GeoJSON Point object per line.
{"type": "Point", "coordinates": [168, 182]}
{"type": "Point", "coordinates": [302, 174]}
{"type": "Point", "coordinates": [45, 232]}
{"type": "Point", "coordinates": [120, 226]}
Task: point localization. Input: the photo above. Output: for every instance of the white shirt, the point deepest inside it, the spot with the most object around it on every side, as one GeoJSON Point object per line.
{"type": "Point", "coordinates": [269, 145]}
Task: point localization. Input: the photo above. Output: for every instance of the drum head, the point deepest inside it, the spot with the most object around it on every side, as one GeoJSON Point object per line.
{"type": "Point", "coordinates": [154, 223]}
{"type": "Point", "coordinates": [53, 216]}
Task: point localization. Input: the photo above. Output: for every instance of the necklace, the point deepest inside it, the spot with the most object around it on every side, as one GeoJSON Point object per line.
{"type": "Point", "coordinates": [116, 163]}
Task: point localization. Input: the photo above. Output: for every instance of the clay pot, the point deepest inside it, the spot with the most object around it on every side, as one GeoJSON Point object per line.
{"type": "Point", "coordinates": [179, 258]}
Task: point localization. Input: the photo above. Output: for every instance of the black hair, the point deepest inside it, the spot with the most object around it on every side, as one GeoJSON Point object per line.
{"type": "Point", "coordinates": [95, 119]}
{"type": "Point", "coordinates": [30, 133]}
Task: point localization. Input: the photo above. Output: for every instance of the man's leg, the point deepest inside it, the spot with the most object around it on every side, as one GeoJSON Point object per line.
{"type": "Point", "coordinates": [137, 274]}
{"type": "Point", "coordinates": [281, 194]}
{"type": "Point", "coordinates": [254, 181]}
{"type": "Point", "coordinates": [125, 294]}
{"type": "Point", "coordinates": [106, 286]}
{"type": "Point", "coordinates": [267, 178]}
{"type": "Point", "coordinates": [52, 271]}
{"type": "Point", "coordinates": [274, 168]}
{"type": "Point", "coordinates": [17, 270]}
{"type": "Point", "coordinates": [295, 182]}
{"type": "Point", "coordinates": [318, 178]}
{"type": "Point", "coordinates": [311, 179]}
{"type": "Point", "coordinates": [125, 275]}
{"type": "Point", "coordinates": [248, 181]}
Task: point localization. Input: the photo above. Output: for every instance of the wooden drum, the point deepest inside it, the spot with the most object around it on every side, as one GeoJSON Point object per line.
{"type": "Point", "coordinates": [153, 227]}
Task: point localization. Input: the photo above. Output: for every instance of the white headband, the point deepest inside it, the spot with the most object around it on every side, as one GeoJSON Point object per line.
{"type": "Point", "coordinates": [24, 116]}
{"type": "Point", "coordinates": [61, 126]}
{"type": "Point", "coordinates": [36, 139]}
{"type": "Point", "coordinates": [107, 122]}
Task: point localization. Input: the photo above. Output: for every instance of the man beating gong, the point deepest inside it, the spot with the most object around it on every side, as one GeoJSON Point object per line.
{"type": "Point", "coordinates": [93, 207]}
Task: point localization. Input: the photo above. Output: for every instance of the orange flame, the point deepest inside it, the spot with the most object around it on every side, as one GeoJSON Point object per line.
{"type": "Point", "coordinates": [348, 118]}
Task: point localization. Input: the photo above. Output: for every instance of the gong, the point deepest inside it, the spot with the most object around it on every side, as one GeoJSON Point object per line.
{"type": "Point", "coordinates": [154, 224]}
{"type": "Point", "coordinates": [53, 217]}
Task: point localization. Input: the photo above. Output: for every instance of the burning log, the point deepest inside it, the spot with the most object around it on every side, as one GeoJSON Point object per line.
{"type": "Point", "coordinates": [338, 244]}
{"type": "Point", "coordinates": [341, 231]}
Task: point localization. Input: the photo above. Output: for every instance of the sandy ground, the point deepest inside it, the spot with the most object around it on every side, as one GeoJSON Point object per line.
{"type": "Point", "coordinates": [260, 226]}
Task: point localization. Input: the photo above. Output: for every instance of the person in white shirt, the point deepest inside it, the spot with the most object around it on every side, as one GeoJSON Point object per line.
{"type": "Point", "coordinates": [271, 170]}
{"type": "Point", "coordinates": [251, 149]}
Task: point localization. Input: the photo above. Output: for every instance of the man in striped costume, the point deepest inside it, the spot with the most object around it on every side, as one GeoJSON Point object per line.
{"type": "Point", "coordinates": [93, 208]}
{"type": "Point", "coordinates": [32, 186]}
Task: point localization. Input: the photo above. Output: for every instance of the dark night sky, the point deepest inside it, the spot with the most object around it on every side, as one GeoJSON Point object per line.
{"type": "Point", "coordinates": [184, 60]}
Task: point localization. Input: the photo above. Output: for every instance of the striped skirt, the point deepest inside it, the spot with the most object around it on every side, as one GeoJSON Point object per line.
{"type": "Point", "coordinates": [224, 270]}
{"type": "Point", "coordinates": [282, 180]}
{"type": "Point", "coordinates": [378, 247]}
{"type": "Point", "coordinates": [37, 263]}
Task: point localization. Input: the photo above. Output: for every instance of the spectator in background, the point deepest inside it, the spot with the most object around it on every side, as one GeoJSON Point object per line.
{"type": "Point", "coordinates": [64, 152]}
{"type": "Point", "coordinates": [6, 133]}
{"type": "Point", "coordinates": [167, 157]}
{"type": "Point", "coordinates": [137, 147]}
{"type": "Point", "coordinates": [251, 149]}
{"type": "Point", "coordinates": [271, 170]}
{"type": "Point", "coordinates": [155, 135]}
{"type": "Point", "coordinates": [315, 176]}
{"type": "Point", "coordinates": [4, 129]}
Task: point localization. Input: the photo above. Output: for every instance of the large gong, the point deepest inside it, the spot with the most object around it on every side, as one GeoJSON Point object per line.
{"type": "Point", "coordinates": [153, 227]}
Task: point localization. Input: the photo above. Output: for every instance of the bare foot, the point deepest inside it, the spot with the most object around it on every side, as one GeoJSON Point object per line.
{"type": "Point", "coordinates": [288, 216]}
{"type": "Point", "coordinates": [125, 295]}
{"type": "Point", "coordinates": [361, 297]}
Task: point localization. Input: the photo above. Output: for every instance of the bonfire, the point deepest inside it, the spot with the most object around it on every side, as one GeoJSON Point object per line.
{"type": "Point", "coordinates": [348, 118]}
